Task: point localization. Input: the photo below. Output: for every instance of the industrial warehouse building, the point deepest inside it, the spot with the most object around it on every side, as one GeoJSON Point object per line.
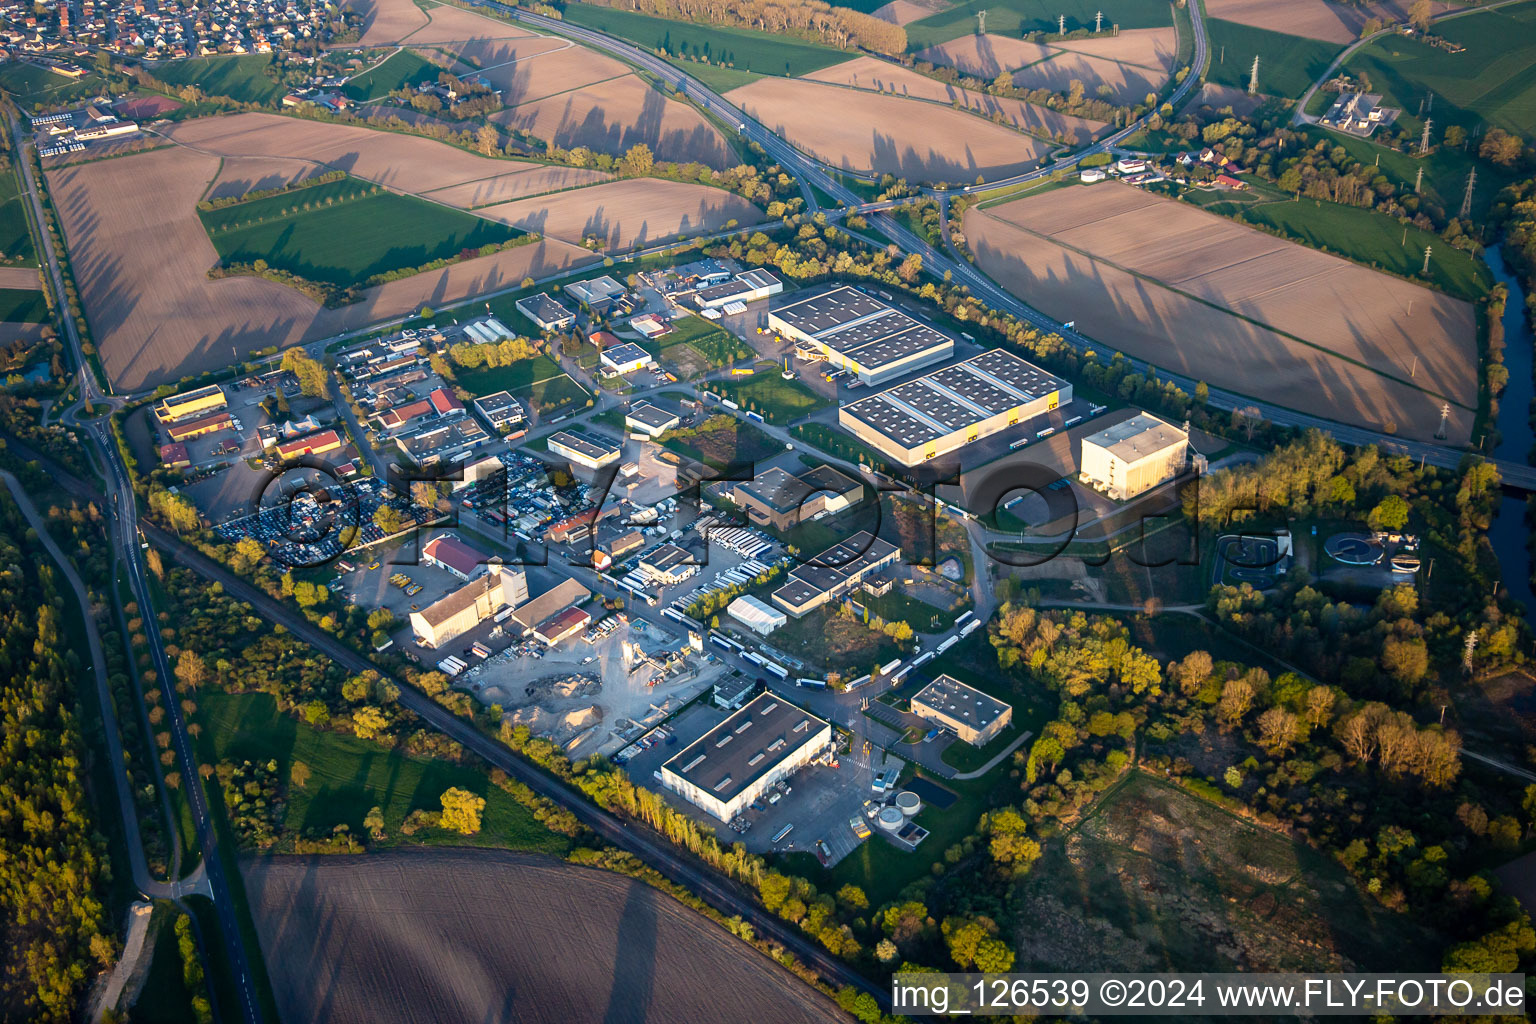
{"type": "Point", "coordinates": [314, 444]}
{"type": "Point", "coordinates": [456, 557]}
{"type": "Point", "coordinates": [532, 616]}
{"type": "Point", "coordinates": [186, 430]}
{"type": "Point", "coordinates": [650, 420]}
{"type": "Point", "coordinates": [626, 358]}
{"type": "Point", "coordinates": [755, 615]}
{"type": "Point", "coordinates": [467, 607]}
{"type": "Point", "coordinates": [668, 565]}
{"type": "Point", "coordinates": [545, 311]}
{"type": "Point", "coordinates": [586, 450]}
{"type": "Point", "coordinates": [738, 760]}
{"type": "Point", "coordinates": [749, 286]}
{"type": "Point", "coordinates": [503, 413]}
{"type": "Point", "coordinates": [782, 500]}
{"type": "Point", "coordinates": [1133, 456]}
{"type": "Point", "coordinates": [839, 570]}
{"type": "Point", "coordinates": [971, 715]}
{"type": "Point", "coordinates": [854, 331]}
{"type": "Point", "coordinates": [200, 402]}
{"type": "Point", "coordinates": [949, 408]}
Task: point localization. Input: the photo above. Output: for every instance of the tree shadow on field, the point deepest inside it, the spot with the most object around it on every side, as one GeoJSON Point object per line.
{"type": "Point", "coordinates": [634, 967]}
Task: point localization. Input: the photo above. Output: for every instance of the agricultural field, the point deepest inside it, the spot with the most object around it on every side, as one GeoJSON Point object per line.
{"type": "Point", "coordinates": [868, 132]}
{"type": "Point", "coordinates": [1157, 879]}
{"type": "Point", "coordinates": [904, 12]}
{"type": "Point", "coordinates": [779, 401]}
{"type": "Point", "coordinates": [1211, 299]}
{"type": "Point", "coordinates": [985, 56]}
{"type": "Point", "coordinates": [1146, 47]}
{"type": "Point", "coordinates": [344, 233]}
{"type": "Point", "coordinates": [503, 188]}
{"type": "Point", "coordinates": [23, 306]}
{"type": "Point", "coordinates": [533, 69]}
{"type": "Point", "coordinates": [624, 213]}
{"type": "Point", "coordinates": [1125, 84]}
{"type": "Point", "coordinates": [348, 776]}
{"type": "Point", "coordinates": [743, 49]}
{"type": "Point", "coordinates": [401, 69]}
{"type": "Point", "coordinates": [16, 247]}
{"type": "Point", "coordinates": [1013, 18]}
{"type": "Point", "coordinates": [1492, 81]}
{"type": "Point", "coordinates": [894, 80]}
{"type": "Point", "coordinates": [1316, 19]}
{"type": "Point", "coordinates": [613, 115]}
{"type": "Point", "coordinates": [142, 268]}
{"type": "Point", "coordinates": [240, 78]}
{"type": "Point", "coordinates": [428, 23]}
{"type": "Point", "coordinates": [364, 917]}
{"type": "Point", "coordinates": [1288, 64]}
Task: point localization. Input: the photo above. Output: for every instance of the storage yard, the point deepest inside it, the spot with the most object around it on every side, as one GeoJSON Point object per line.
{"type": "Point", "coordinates": [1162, 281]}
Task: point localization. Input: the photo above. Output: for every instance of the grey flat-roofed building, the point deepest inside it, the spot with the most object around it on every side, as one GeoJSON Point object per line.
{"type": "Point", "coordinates": [973, 716]}
{"type": "Point", "coordinates": [852, 330]}
{"type": "Point", "coordinates": [738, 760]}
{"type": "Point", "coordinates": [585, 449]}
{"type": "Point", "coordinates": [545, 311]}
{"type": "Point", "coordinates": [501, 410]}
{"type": "Point", "coordinates": [782, 499]}
{"type": "Point", "coordinates": [834, 572]}
{"type": "Point", "coordinates": [649, 419]}
{"type": "Point", "coordinates": [748, 286]}
{"type": "Point", "coordinates": [949, 408]}
{"type": "Point", "coordinates": [668, 564]}
{"type": "Point", "coordinates": [1133, 456]}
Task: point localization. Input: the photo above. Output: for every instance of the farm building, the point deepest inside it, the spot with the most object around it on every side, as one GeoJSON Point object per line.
{"type": "Point", "coordinates": [503, 414]}
{"type": "Point", "coordinates": [650, 420]}
{"type": "Point", "coordinates": [782, 500]}
{"type": "Point", "coordinates": [190, 403]}
{"type": "Point", "coordinates": [755, 615]}
{"type": "Point", "coordinates": [543, 310]}
{"type": "Point", "coordinates": [456, 557]}
{"type": "Point", "coordinates": [467, 607]}
{"type": "Point", "coordinates": [1133, 456]}
{"type": "Point", "coordinates": [587, 450]}
{"type": "Point", "coordinates": [853, 331]}
{"type": "Point", "coordinates": [973, 716]}
{"type": "Point", "coordinates": [949, 408]}
{"type": "Point", "coordinates": [749, 286]}
{"type": "Point", "coordinates": [840, 569]}
{"type": "Point", "coordinates": [186, 430]}
{"type": "Point", "coordinates": [626, 358]}
{"type": "Point", "coordinates": [739, 759]}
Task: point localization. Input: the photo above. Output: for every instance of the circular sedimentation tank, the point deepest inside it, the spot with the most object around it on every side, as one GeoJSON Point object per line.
{"type": "Point", "coordinates": [891, 819]}
{"type": "Point", "coordinates": [908, 803]}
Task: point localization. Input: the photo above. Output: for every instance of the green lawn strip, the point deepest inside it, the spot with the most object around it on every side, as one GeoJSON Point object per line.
{"type": "Point", "coordinates": [23, 306]}
{"type": "Point", "coordinates": [834, 442]}
{"type": "Point", "coordinates": [715, 78]}
{"type": "Point", "coordinates": [400, 70]}
{"type": "Point", "coordinates": [899, 607]}
{"type": "Point", "coordinates": [240, 77]}
{"type": "Point", "coordinates": [1287, 64]}
{"type": "Point", "coordinates": [16, 246]}
{"type": "Point", "coordinates": [346, 232]}
{"type": "Point", "coordinates": [741, 49]}
{"type": "Point", "coordinates": [165, 998]}
{"type": "Point", "coordinates": [1016, 17]}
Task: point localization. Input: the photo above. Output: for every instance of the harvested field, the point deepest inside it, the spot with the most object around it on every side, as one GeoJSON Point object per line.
{"type": "Point", "coordinates": [530, 69]}
{"type": "Point", "coordinates": [142, 273]}
{"type": "Point", "coordinates": [1148, 47]}
{"type": "Point", "coordinates": [26, 278]}
{"type": "Point", "coordinates": [985, 56]}
{"type": "Point", "coordinates": [904, 12]}
{"type": "Point", "coordinates": [506, 187]}
{"type": "Point", "coordinates": [388, 21]}
{"type": "Point", "coordinates": [615, 115]}
{"type": "Point", "coordinates": [625, 213]}
{"type": "Point", "coordinates": [864, 131]}
{"type": "Point", "coordinates": [892, 79]}
{"type": "Point", "coordinates": [451, 936]}
{"type": "Point", "coordinates": [1128, 84]}
{"type": "Point", "coordinates": [1184, 324]}
{"type": "Point", "coordinates": [241, 175]}
{"type": "Point", "coordinates": [1314, 19]}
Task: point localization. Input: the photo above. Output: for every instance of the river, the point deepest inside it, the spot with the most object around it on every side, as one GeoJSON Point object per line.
{"type": "Point", "coordinates": [1508, 532]}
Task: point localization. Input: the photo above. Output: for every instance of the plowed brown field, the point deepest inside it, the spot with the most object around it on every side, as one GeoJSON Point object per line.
{"type": "Point", "coordinates": [904, 12]}
{"type": "Point", "coordinates": [1315, 19]}
{"type": "Point", "coordinates": [537, 74]}
{"type": "Point", "coordinates": [625, 213]}
{"type": "Point", "coordinates": [894, 80]}
{"type": "Point", "coordinates": [1148, 47]}
{"type": "Point", "coordinates": [865, 131]}
{"type": "Point", "coordinates": [516, 185]}
{"type": "Point", "coordinates": [1218, 301]}
{"type": "Point", "coordinates": [985, 56]}
{"type": "Point", "coordinates": [449, 936]}
{"type": "Point", "coordinates": [1128, 83]}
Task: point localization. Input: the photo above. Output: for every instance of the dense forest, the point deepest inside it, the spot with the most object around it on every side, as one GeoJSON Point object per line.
{"type": "Point", "coordinates": [53, 926]}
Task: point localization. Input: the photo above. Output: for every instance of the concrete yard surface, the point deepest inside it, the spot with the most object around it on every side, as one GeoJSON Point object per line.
{"type": "Point", "coordinates": [449, 936]}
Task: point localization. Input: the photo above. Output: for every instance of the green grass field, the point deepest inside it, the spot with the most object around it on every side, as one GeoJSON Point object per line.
{"type": "Point", "coordinates": [16, 247]}
{"type": "Point", "coordinates": [737, 441]}
{"type": "Point", "coordinates": [539, 380]}
{"type": "Point", "coordinates": [1016, 17]}
{"type": "Point", "coordinates": [31, 85]}
{"type": "Point", "coordinates": [1445, 170]}
{"type": "Point", "coordinates": [22, 306]}
{"type": "Point", "coordinates": [239, 77]}
{"type": "Point", "coordinates": [403, 68]}
{"type": "Point", "coordinates": [779, 401]}
{"type": "Point", "coordinates": [696, 346]}
{"type": "Point", "coordinates": [344, 232]}
{"type": "Point", "coordinates": [348, 776]}
{"type": "Point", "coordinates": [1369, 237]}
{"type": "Point", "coordinates": [1493, 80]}
{"type": "Point", "coordinates": [715, 77]}
{"type": "Point", "coordinates": [741, 49]}
{"type": "Point", "coordinates": [1287, 64]}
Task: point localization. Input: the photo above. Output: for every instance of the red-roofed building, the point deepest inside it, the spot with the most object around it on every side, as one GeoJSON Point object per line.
{"type": "Point", "coordinates": [445, 402]}
{"type": "Point", "coordinates": [455, 556]}
{"type": "Point", "coordinates": [314, 444]}
{"type": "Point", "coordinates": [394, 419]}
{"type": "Point", "coordinates": [175, 456]}
{"type": "Point", "coordinates": [602, 339]}
{"type": "Point", "coordinates": [551, 631]}
{"type": "Point", "coordinates": [1231, 182]}
{"type": "Point", "coordinates": [179, 432]}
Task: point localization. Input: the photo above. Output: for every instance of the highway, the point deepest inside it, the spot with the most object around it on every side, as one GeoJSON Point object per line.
{"type": "Point", "coordinates": [124, 515]}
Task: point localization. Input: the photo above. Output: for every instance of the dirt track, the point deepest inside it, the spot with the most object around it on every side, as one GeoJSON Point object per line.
{"type": "Point", "coordinates": [1160, 270]}
{"type": "Point", "coordinates": [894, 80]}
{"type": "Point", "coordinates": [865, 131]}
{"type": "Point", "coordinates": [459, 936]}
